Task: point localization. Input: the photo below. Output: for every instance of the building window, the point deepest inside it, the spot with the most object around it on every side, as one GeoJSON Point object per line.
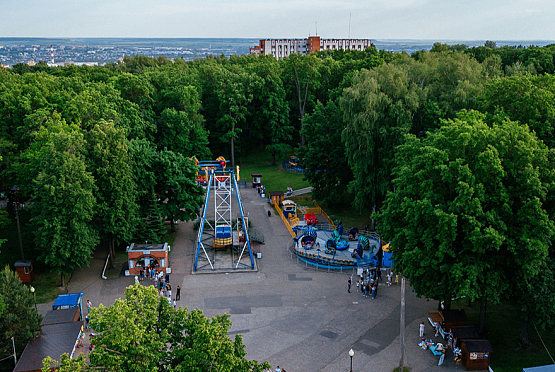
{"type": "Point", "coordinates": [26, 270]}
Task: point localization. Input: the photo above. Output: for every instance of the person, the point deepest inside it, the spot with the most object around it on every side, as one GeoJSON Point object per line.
{"type": "Point", "coordinates": [278, 369]}
{"type": "Point", "coordinates": [373, 292]}
{"type": "Point", "coordinates": [397, 279]}
{"type": "Point", "coordinates": [167, 278]}
{"type": "Point", "coordinates": [388, 279]}
{"type": "Point", "coordinates": [178, 293]}
{"type": "Point", "coordinates": [89, 306]}
{"type": "Point", "coordinates": [379, 272]}
{"type": "Point", "coordinates": [358, 285]}
{"type": "Point", "coordinates": [349, 285]}
{"type": "Point", "coordinates": [141, 275]}
{"type": "Point", "coordinates": [174, 304]}
{"type": "Point", "coordinates": [422, 327]}
{"type": "Point", "coordinates": [442, 349]}
{"type": "Point", "coordinates": [169, 290]}
{"type": "Point", "coordinates": [136, 279]}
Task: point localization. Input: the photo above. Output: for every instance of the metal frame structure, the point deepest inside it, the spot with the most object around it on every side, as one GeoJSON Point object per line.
{"type": "Point", "coordinates": [224, 185]}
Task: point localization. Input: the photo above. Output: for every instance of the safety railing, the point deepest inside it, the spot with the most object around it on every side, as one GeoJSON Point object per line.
{"type": "Point", "coordinates": [285, 221]}
{"type": "Point", "coordinates": [323, 213]}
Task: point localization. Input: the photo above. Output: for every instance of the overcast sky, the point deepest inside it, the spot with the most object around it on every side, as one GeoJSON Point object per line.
{"type": "Point", "coordinates": [372, 19]}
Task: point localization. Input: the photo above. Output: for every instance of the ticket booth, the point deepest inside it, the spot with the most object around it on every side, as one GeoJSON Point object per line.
{"type": "Point", "coordinates": [142, 255]}
{"type": "Point", "coordinates": [25, 271]}
{"type": "Point", "coordinates": [476, 354]}
{"type": "Point", "coordinates": [276, 197]}
{"type": "Point", "coordinates": [256, 179]}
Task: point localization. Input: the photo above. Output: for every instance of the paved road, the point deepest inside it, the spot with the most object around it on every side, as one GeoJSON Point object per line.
{"type": "Point", "coordinates": [291, 316]}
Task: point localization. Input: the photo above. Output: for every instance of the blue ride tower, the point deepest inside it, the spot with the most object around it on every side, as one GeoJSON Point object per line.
{"type": "Point", "coordinates": [222, 233]}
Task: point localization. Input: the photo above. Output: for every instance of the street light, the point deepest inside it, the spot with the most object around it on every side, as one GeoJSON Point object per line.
{"type": "Point", "coordinates": [351, 354]}
{"type": "Point", "coordinates": [34, 298]}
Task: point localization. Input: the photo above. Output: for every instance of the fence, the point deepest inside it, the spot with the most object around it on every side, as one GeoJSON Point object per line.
{"type": "Point", "coordinates": [321, 266]}
{"type": "Point", "coordinates": [278, 209]}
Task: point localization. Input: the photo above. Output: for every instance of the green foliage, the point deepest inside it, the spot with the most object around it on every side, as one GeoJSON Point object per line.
{"type": "Point", "coordinates": [20, 319]}
{"type": "Point", "coordinates": [179, 194]}
{"type": "Point", "coordinates": [527, 99]}
{"type": "Point", "coordinates": [66, 364]}
{"type": "Point", "coordinates": [64, 204]}
{"type": "Point", "coordinates": [144, 333]}
{"type": "Point", "coordinates": [378, 110]}
{"type": "Point", "coordinates": [473, 203]}
{"type": "Point", "coordinates": [324, 154]}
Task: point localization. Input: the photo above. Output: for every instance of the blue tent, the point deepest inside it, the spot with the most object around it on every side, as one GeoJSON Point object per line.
{"type": "Point", "coordinates": [387, 260]}
{"type": "Point", "coordinates": [68, 301]}
{"type": "Point", "coordinates": [548, 368]}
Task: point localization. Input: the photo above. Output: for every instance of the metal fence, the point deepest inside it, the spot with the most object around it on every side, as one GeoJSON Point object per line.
{"type": "Point", "coordinates": [323, 267]}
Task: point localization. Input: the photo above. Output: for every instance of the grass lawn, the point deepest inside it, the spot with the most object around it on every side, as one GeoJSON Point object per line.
{"type": "Point", "coordinates": [275, 177]}
{"type": "Point", "coordinates": [346, 213]}
{"type": "Point", "coordinates": [503, 326]}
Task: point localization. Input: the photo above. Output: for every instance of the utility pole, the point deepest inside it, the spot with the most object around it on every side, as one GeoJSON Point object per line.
{"type": "Point", "coordinates": [14, 354]}
{"type": "Point", "coordinates": [402, 335]}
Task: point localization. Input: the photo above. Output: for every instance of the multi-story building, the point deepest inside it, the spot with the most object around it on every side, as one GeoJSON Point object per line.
{"type": "Point", "coordinates": [281, 48]}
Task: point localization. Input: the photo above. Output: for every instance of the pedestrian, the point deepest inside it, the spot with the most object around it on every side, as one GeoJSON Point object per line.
{"type": "Point", "coordinates": [89, 306]}
{"type": "Point", "coordinates": [169, 289]}
{"type": "Point", "coordinates": [349, 285]}
{"type": "Point", "coordinates": [379, 274]}
{"type": "Point", "coordinates": [174, 304]}
{"type": "Point", "coordinates": [422, 329]}
{"type": "Point", "coordinates": [373, 292]}
{"type": "Point", "coordinates": [397, 279]}
{"type": "Point", "coordinates": [358, 285]}
{"type": "Point", "coordinates": [278, 369]}
{"type": "Point", "coordinates": [167, 278]}
{"type": "Point", "coordinates": [178, 293]}
{"type": "Point", "coordinates": [439, 347]}
{"type": "Point", "coordinates": [389, 279]}
{"type": "Point", "coordinates": [136, 279]}
{"type": "Point", "coordinates": [141, 275]}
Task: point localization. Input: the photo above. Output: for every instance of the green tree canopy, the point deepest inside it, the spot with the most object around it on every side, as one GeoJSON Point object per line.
{"type": "Point", "coordinates": [144, 333]}
{"type": "Point", "coordinates": [20, 319]}
{"type": "Point", "coordinates": [471, 204]}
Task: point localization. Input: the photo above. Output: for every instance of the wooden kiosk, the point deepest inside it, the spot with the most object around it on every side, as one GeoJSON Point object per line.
{"type": "Point", "coordinates": [256, 179]}
{"type": "Point", "coordinates": [276, 197]}
{"type": "Point", "coordinates": [25, 271]}
{"type": "Point", "coordinates": [476, 354]}
{"type": "Point", "coordinates": [447, 319]}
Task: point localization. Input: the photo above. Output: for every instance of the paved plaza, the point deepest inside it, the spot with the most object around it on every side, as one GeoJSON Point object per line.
{"type": "Point", "coordinates": [292, 316]}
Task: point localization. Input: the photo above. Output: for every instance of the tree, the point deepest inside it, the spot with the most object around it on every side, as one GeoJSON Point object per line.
{"type": "Point", "coordinates": [66, 364]}
{"type": "Point", "coordinates": [109, 161]}
{"type": "Point", "coordinates": [64, 202]}
{"type": "Point", "coordinates": [324, 156]}
{"type": "Point", "coordinates": [144, 333]}
{"type": "Point", "coordinates": [304, 74]}
{"type": "Point", "coordinates": [527, 99]}
{"type": "Point", "coordinates": [378, 111]}
{"type": "Point", "coordinates": [20, 319]}
{"type": "Point", "coordinates": [471, 202]}
{"type": "Point", "coordinates": [179, 194]}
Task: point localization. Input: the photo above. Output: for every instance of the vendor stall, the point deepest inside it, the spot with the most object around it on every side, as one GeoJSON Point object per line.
{"type": "Point", "coordinates": [464, 333]}
{"type": "Point", "coordinates": [443, 320]}
{"type": "Point", "coordinates": [142, 255]}
{"type": "Point", "coordinates": [476, 354]}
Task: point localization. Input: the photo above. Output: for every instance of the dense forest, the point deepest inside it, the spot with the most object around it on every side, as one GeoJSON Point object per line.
{"type": "Point", "coordinates": [106, 153]}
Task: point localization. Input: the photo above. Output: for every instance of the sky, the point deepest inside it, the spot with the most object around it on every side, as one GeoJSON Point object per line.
{"type": "Point", "coordinates": [257, 19]}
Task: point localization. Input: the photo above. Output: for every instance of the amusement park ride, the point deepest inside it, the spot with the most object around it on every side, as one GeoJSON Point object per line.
{"type": "Point", "coordinates": [222, 232]}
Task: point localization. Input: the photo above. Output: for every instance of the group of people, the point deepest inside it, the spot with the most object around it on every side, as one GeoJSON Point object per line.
{"type": "Point", "coordinates": [289, 190]}
{"type": "Point", "coordinates": [162, 283]}
{"type": "Point", "coordinates": [368, 283]}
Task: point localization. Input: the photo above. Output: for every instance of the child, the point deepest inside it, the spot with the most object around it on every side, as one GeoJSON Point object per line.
{"type": "Point", "coordinates": [422, 329]}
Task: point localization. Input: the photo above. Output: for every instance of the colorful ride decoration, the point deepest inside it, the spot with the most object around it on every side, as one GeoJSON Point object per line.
{"type": "Point", "coordinates": [353, 233]}
{"type": "Point", "coordinates": [293, 161]}
{"type": "Point", "coordinates": [223, 237]}
{"type": "Point", "coordinates": [310, 218]}
{"type": "Point", "coordinates": [364, 242]}
{"type": "Point", "coordinates": [330, 247]}
{"type": "Point", "coordinates": [341, 244]}
{"type": "Point", "coordinates": [289, 208]}
{"type": "Point", "coordinates": [308, 239]}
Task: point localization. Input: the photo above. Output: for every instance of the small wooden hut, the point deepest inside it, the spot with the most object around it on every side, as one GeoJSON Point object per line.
{"type": "Point", "coordinates": [25, 271]}
{"type": "Point", "coordinates": [276, 197]}
{"type": "Point", "coordinates": [476, 354]}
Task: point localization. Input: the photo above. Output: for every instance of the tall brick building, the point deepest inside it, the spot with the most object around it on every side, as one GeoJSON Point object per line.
{"type": "Point", "coordinates": [281, 48]}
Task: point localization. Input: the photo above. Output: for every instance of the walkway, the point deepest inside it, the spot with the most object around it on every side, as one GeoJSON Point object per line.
{"type": "Point", "coordinates": [291, 316]}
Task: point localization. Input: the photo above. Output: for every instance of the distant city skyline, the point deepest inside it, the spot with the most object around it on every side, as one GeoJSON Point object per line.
{"type": "Point", "coordinates": [373, 19]}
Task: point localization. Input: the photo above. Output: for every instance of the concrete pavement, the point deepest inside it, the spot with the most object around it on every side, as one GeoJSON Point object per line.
{"type": "Point", "coordinates": [289, 315]}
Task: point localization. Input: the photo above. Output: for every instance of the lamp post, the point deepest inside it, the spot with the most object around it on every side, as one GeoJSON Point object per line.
{"type": "Point", "coordinates": [351, 354]}
{"type": "Point", "coordinates": [34, 298]}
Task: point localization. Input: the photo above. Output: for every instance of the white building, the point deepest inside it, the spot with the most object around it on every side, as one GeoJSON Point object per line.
{"type": "Point", "coordinates": [281, 48]}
